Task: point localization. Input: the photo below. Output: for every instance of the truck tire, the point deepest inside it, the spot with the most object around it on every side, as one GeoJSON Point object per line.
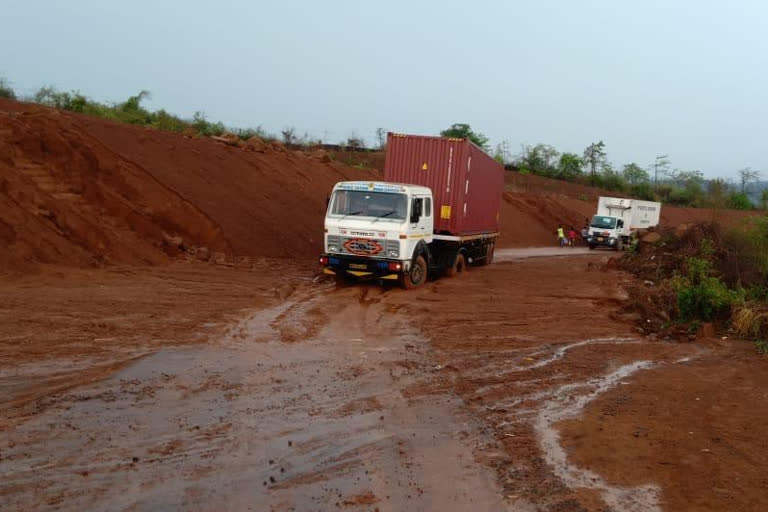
{"type": "Point", "coordinates": [591, 247]}
{"type": "Point", "coordinates": [619, 245]}
{"type": "Point", "coordinates": [459, 266]}
{"type": "Point", "coordinates": [417, 275]}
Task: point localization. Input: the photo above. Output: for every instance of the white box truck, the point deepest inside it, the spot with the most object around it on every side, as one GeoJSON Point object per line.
{"type": "Point", "coordinates": [618, 218]}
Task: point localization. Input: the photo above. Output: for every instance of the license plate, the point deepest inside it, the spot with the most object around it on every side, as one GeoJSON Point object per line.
{"type": "Point", "coordinates": [599, 239]}
{"type": "Point", "coordinates": [358, 266]}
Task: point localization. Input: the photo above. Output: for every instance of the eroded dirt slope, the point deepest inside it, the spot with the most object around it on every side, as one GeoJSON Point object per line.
{"type": "Point", "coordinates": [82, 191]}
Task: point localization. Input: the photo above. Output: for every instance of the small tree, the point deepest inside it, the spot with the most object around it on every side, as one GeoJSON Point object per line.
{"type": "Point", "coordinates": [660, 166]}
{"type": "Point", "coordinates": [502, 154]}
{"type": "Point", "coordinates": [289, 135]}
{"type": "Point", "coordinates": [464, 131]}
{"type": "Point", "coordinates": [635, 174]}
{"type": "Point", "coordinates": [381, 138]}
{"type": "Point", "coordinates": [611, 179]}
{"type": "Point", "coordinates": [570, 166]}
{"type": "Point", "coordinates": [747, 176]}
{"type": "Point", "coordinates": [594, 156]}
{"type": "Point", "coordinates": [538, 159]}
{"type": "Point", "coordinates": [717, 190]}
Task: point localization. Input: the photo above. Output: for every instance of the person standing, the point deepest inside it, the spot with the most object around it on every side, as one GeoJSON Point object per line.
{"type": "Point", "coordinates": [561, 235]}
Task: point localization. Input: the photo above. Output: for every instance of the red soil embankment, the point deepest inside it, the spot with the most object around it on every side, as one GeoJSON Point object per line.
{"type": "Point", "coordinates": [77, 190]}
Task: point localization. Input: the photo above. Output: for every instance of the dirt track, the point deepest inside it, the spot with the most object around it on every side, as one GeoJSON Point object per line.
{"type": "Point", "coordinates": [519, 386]}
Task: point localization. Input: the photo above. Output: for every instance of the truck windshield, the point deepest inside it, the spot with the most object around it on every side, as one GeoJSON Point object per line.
{"type": "Point", "coordinates": [369, 204]}
{"type": "Point", "coordinates": [601, 222]}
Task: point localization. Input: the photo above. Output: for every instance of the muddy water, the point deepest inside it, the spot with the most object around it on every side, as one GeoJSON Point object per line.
{"type": "Point", "coordinates": [304, 406]}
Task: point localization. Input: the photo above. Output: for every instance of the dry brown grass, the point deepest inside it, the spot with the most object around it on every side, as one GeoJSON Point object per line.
{"type": "Point", "coordinates": [751, 321]}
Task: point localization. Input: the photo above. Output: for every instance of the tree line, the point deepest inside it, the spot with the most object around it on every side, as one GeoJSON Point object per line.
{"type": "Point", "coordinates": [658, 181]}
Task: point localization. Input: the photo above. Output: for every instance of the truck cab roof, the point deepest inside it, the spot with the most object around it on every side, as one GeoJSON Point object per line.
{"type": "Point", "coordinates": [382, 186]}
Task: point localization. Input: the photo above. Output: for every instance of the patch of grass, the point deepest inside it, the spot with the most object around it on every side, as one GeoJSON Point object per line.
{"type": "Point", "coordinates": [131, 111]}
{"type": "Point", "coordinates": [751, 320]}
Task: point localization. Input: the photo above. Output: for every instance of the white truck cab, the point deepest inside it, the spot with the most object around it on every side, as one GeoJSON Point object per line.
{"type": "Point", "coordinates": [373, 228]}
{"type": "Point", "coordinates": [386, 230]}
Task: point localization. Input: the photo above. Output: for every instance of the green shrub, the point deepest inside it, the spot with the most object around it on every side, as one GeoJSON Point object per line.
{"type": "Point", "coordinates": [739, 201]}
{"type": "Point", "coordinates": [205, 127]}
{"type": "Point", "coordinates": [642, 191]}
{"type": "Point", "coordinates": [700, 295]}
{"type": "Point", "coordinates": [162, 120]}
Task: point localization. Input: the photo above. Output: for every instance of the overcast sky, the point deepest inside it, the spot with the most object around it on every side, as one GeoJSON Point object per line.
{"type": "Point", "coordinates": [686, 78]}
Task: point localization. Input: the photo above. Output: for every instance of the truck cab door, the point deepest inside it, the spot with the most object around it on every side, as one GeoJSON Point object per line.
{"type": "Point", "coordinates": [421, 216]}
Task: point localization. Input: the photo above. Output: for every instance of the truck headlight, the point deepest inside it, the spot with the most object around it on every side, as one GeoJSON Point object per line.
{"type": "Point", "coordinates": [393, 253]}
{"type": "Point", "coordinates": [333, 248]}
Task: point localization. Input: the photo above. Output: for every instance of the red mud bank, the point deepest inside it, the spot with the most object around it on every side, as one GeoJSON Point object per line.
{"type": "Point", "coordinates": [82, 191]}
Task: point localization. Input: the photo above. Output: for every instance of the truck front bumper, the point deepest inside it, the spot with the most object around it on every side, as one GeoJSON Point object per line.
{"type": "Point", "coordinates": [606, 241]}
{"type": "Point", "coordinates": [364, 268]}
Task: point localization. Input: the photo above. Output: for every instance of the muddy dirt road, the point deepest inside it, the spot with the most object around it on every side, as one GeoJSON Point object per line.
{"type": "Point", "coordinates": [519, 386]}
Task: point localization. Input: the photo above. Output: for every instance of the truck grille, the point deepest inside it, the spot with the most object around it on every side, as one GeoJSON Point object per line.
{"type": "Point", "coordinates": [360, 246]}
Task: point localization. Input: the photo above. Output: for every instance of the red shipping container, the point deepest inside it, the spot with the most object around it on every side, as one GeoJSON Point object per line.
{"type": "Point", "coordinates": [466, 183]}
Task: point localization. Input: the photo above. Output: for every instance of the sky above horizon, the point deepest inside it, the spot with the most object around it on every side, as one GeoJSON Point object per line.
{"type": "Point", "coordinates": [684, 78]}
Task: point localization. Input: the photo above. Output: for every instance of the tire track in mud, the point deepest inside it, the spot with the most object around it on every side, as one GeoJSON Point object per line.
{"type": "Point", "coordinates": [303, 405]}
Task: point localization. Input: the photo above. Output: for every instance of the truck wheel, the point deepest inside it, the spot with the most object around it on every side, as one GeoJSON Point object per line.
{"type": "Point", "coordinates": [417, 275]}
{"type": "Point", "coordinates": [459, 266]}
{"type": "Point", "coordinates": [619, 245]}
{"type": "Point", "coordinates": [591, 247]}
